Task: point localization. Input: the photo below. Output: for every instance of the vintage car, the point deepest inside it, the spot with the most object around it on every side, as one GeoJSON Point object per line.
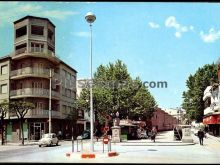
{"type": "Point", "coordinates": [48, 139]}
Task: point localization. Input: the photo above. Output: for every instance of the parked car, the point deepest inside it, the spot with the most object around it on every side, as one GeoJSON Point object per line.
{"type": "Point", "coordinates": [85, 134]}
{"type": "Point", "coordinates": [48, 140]}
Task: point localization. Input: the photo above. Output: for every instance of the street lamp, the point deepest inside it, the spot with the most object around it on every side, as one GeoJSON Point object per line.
{"type": "Point", "coordinates": [50, 93]}
{"type": "Point", "coordinates": [90, 18]}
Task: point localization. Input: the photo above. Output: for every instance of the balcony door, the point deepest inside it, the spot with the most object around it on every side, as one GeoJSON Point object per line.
{"type": "Point", "coordinates": [37, 88]}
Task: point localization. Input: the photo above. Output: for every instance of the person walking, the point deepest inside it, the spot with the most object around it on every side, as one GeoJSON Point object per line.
{"type": "Point", "coordinates": [201, 135]}
{"type": "Point", "coordinates": [153, 134]}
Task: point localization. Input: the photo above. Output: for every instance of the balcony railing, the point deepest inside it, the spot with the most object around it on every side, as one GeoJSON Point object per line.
{"type": "Point", "coordinates": [34, 50]}
{"type": "Point", "coordinates": [36, 92]}
{"type": "Point", "coordinates": [27, 71]}
{"type": "Point", "coordinates": [37, 113]}
{"type": "Point", "coordinates": [20, 51]}
{"type": "Point", "coordinates": [208, 110]}
{"type": "Point", "coordinates": [31, 71]}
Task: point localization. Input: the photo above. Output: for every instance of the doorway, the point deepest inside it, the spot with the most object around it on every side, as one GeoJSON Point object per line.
{"type": "Point", "coordinates": [36, 130]}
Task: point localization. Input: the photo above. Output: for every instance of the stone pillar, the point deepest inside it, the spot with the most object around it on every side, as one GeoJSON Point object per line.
{"type": "Point", "coordinates": [187, 137]}
{"type": "Point", "coordinates": [116, 134]}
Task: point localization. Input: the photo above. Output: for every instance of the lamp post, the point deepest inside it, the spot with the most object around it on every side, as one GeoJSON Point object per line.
{"type": "Point", "coordinates": [50, 100]}
{"type": "Point", "coordinates": [90, 18]}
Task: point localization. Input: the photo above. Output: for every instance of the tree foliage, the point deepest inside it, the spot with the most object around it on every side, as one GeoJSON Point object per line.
{"type": "Point", "coordinates": [4, 107]}
{"type": "Point", "coordinates": [193, 97]}
{"type": "Point", "coordinates": [114, 90]}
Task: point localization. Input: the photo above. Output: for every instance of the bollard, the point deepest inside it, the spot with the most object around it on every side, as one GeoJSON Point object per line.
{"type": "Point", "coordinates": [72, 144]}
{"type": "Point", "coordinates": [77, 143]}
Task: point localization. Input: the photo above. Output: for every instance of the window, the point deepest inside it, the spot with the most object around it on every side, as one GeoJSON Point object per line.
{"type": "Point", "coordinates": [4, 69]}
{"type": "Point", "coordinates": [21, 31]}
{"type": "Point", "coordinates": [37, 30]}
{"type": "Point", "coordinates": [50, 34]}
{"type": "Point", "coordinates": [68, 75]}
{"type": "Point", "coordinates": [4, 88]}
{"type": "Point", "coordinates": [37, 47]}
{"type": "Point", "coordinates": [64, 108]}
{"type": "Point", "coordinates": [21, 48]}
{"type": "Point", "coordinates": [40, 105]}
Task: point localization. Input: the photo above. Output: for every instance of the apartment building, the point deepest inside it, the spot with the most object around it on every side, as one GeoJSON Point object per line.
{"type": "Point", "coordinates": [211, 118]}
{"type": "Point", "coordinates": [80, 85]}
{"type": "Point", "coordinates": [25, 75]}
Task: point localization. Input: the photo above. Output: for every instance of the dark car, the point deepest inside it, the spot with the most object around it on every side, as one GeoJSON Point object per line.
{"type": "Point", "coordinates": [85, 134]}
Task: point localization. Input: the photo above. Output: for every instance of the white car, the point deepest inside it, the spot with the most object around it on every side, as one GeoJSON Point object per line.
{"type": "Point", "coordinates": [48, 140]}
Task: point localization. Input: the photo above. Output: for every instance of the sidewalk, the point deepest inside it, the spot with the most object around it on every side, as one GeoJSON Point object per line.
{"type": "Point", "coordinates": [26, 143]}
{"type": "Point", "coordinates": [164, 138]}
{"type": "Point", "coordinates": [213, 137]}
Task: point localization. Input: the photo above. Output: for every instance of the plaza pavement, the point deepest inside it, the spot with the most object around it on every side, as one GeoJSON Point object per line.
{"type": "Point", "coordinates": [164, 150]}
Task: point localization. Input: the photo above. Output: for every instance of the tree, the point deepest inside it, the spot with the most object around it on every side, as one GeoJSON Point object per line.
{"type": "Point", "coordinates": [193, 98]}
{"type": "Point", "coordinates": [114, 90]}
{"type": "Point", "coordinates": [72, 117]}
{"type": "Point", "coordinates": [21, 108]}
{"type": "Point", "coordinates": [4, 106]}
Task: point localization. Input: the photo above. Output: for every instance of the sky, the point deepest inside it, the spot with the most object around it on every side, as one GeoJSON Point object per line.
{"type": "Point", "coordinates": [157, 41]}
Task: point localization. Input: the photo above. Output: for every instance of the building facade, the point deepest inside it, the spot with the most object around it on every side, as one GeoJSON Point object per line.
{"type": "Point", "coordinates": [211, 118]}
{"type": "Point", "coordinates": [163, 121]}
{"type": "Point", "coordinates": [80, 85]}
{"type": "Point", "coordinates": [25, 75]}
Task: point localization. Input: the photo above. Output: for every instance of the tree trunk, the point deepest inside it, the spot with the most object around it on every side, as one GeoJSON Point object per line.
{"type": "Point", "coordinates": [22, 131]}
{"type": "Point", "coordinates": [2, 128]}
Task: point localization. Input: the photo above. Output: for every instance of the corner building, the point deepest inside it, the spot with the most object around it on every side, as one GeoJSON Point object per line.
{"type": "Point", "coordinates": [25, 75]}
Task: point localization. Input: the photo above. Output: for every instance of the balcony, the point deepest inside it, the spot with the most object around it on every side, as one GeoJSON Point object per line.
{"type": "Point", "coordinates": [207, 93]}
{"type": "Point", "coordinates": [208, 110]}
{"type": "Point", "coordinates": [33, 92]}
{"type": "Point", "coordinates": [215, 106]}
{"type": "Point", "coordinates": [36, 113]}
{"type": "Point", "coordinates": [33, 72]}
{"type": "Point", "coordinates": [35, 52]}
{"type": "Point", "coordinates": [30, 72]}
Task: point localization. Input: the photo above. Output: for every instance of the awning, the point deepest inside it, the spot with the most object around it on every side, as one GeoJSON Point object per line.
{"type": "Point", "coordinates": [213, 119]}
{"type": "Point", "coordinates": [81, 121]}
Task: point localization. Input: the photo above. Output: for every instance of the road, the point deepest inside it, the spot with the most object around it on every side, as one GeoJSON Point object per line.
{"type": "Point", "coordinates": [164, 150]}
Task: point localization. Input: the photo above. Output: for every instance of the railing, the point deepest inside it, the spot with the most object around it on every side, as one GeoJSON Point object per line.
{"type": "Point", "coordinates": [20, 51]}
{"type": "Point", "coordinates": [207, 95]}
{"type": "Point", "coordinates": [35, 71]}
{"type": "Point", "coordinates": [37, 50]}
{"type": "Point", "coordinates": [30, 70]}
{"type": "Point", "coordinates": [34, 50]}
{"type": "Point", "coordinates": [33, 91]}
{"type": "Point", "coordinates": [208, 110]}
{"type": "Point", "coordinates": [39, 113]}
{"type": "Point", "coordinates": [215, 106]}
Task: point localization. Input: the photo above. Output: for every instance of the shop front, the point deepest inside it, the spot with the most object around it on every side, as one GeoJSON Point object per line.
{"type": "Point", "coordinates": [213, 124]}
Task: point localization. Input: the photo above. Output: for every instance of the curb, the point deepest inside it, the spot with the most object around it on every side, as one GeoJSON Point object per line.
{"type": "Point", "coordinates": [88, 156]}
{"type": "Point", "coordinates": [113, 153]}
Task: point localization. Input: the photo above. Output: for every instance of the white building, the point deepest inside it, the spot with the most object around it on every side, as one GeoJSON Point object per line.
{"type": "Point", "coordinates": [212, 109]}
{"type": "Point", "coordinates": [80, 84]}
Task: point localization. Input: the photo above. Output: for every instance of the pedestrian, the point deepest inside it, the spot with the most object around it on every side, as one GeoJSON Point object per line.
{"type": "Point", "coordinates": [153, 134]}
{"type": "Point", "coordinates": [59, 134]}
{"type": "Point", "coordinates": [201, 135]}
{"type": "Point", "coordinates": [147, 132]}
